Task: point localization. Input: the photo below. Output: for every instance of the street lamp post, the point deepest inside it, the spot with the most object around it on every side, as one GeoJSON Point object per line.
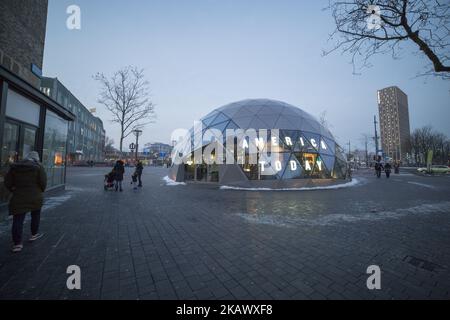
{"type": "Point", "coordinates": [137, 133]}
{"type": "Point", "coordinates": [349, 150]}
{"type": "Point", "coordinates": [376, 136]}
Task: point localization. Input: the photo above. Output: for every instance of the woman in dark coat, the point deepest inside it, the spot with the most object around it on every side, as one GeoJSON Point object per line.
{"type": "Point", "coordinates": [26, 180]}
{"type": "Point", "coordinates": [119, 171]}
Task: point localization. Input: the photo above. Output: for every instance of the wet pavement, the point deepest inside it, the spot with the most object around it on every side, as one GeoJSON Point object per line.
{"type": "Point", "coordinates": [196, 241]}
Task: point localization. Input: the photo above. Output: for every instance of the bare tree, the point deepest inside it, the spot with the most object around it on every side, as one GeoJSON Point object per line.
{"type": "Point", "coordinates": [127, 96]}
{"type": "Point", "coordinates": [367, 140]}
{"type": "Point", "coordinates": [109, 144]}
{"type": "Point", "coordinates": [323, 120]}
{"type": "Point", "coordinates": [368, 27]}
{"type": "Point", "coordinates": [425, 139]}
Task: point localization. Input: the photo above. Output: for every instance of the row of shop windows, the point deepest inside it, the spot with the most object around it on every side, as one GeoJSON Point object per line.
{"type": "Point", "coordinates": [20, 137]}
{"type": "Point", "coordinates": [288, 166]}
{"type": "Point", "coordinates": [203, 172]}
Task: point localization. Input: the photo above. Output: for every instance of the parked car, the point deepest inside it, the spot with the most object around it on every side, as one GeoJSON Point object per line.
{"type": "Point", "coordinates": [435, 169]}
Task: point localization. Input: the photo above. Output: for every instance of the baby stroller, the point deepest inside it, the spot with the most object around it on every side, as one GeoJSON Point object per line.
{"type": "Point", "coordinates": [109, 181]}
{"type": "Point", "coordinates": [134, 180]}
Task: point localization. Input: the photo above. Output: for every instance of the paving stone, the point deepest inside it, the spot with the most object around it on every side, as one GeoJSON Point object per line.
{"type": "Point", "coordinates": [198, 242]}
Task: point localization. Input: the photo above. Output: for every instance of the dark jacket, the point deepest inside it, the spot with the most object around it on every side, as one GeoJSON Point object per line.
{"type": "Point", "coordinates": [378, 166]}
{"type": "Point", "coordinates": [139, 168]}
{"type": "Point", "coordinates": [119, 171]}
{"type": "Point", "coordinates": [27, 181]}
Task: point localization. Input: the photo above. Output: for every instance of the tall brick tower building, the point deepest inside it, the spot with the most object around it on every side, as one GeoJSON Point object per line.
{"type": "Point", "coordinates": [394, 122]}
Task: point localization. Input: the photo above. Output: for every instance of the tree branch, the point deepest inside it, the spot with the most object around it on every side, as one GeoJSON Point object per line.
{"type": "Point", "coordinates": [429, 29]}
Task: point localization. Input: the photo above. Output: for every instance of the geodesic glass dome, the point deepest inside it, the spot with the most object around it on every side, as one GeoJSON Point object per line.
{"type": "Point", "coordinates": [296, 145]}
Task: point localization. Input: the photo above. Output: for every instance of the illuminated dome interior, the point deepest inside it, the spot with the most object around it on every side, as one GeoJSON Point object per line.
{"type": "Point", "coordinates": [306, 150]}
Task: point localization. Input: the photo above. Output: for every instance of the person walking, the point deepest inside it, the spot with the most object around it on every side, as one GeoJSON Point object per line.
{"type": "Point", "coordinates": [397, 167]}
{"type": "Point", "coordinates": [27, 181]}
{"type": "Point", "coordinates": [139, 169]}
{"type": "Point", "coordinates": [378, 168]}
{"type": "Point", "coordinates": [119, 171]}
{"type": "Point", "coordinates": [387, 169]}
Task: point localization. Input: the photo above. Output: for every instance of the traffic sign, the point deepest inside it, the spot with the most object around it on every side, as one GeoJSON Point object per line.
{"type": "Point", "coordinates": [132, 146]}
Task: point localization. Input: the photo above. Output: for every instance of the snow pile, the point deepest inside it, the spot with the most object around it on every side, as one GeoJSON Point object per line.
{"type": "Point", "coordinates": [352, 183]}
{"type": "Point", "coordinates": [170, 182]}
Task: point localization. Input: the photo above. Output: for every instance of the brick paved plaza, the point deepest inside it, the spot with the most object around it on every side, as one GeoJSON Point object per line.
{"type": "Point", "coordinates": [199, 242]}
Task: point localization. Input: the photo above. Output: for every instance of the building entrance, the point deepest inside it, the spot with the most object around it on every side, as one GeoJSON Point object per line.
{"type": "Point", "coordinates": [18, 140]}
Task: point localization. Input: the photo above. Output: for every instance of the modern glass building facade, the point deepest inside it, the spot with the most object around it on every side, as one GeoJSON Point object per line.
{"type": "Point", "coordinates": [291, 148]}
{"type": "Point", "coordinates": [86, 137]}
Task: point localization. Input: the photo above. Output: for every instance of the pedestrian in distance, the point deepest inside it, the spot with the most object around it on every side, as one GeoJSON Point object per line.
{"type": "Point", "coordinates": [27, 181]}
{"type": "Point", "coordinates": [119, 171]}
{"type": "Point", "coordinates": [397, 167]}
{"type": "Point", "coordinates": [378, 168]}
{"type": "Point", "coordinates": [139, 169]}
{"type": "Point", "coordinates": [387, 169]}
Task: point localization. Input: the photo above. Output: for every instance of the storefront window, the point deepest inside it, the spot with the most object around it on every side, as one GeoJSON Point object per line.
{"type": "Point", "coordinates": [54, 152]}
{"type": "Point", "coordinates": [189, 171]}
{"type": "Point", "coordinates": [213, 173]}
{"type": "Point", "coordinates": [9, 155]}
{"type": "Point", "coordinates": [10, 143]}
{"type": "Point", "coordinates": [29, 141]}
{"type": "Point", "coordinates": [201, 172]}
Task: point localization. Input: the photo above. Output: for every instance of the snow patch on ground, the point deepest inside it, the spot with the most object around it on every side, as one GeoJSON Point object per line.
{"type": "Point", "coordinates": [441, 207]}
{"type": "Point", "coordinates": [422, 185]}
{"type": "Point", "coordinates": [333, 219]}
{"type": "Point", "coordinates": [352, 183]}
{"type": "Point", "coordinates": [53, 202]}
{"type": "Point", "coordinates": [170, 182]}
{"type": "Point", "coordinates": [49, 203]}
{"type": "Point", "coordinates": [5, 227]}
{"type": "Point", "coordinates": [269, 220]}
{"type": "Point", "coordinates": [71, 188]}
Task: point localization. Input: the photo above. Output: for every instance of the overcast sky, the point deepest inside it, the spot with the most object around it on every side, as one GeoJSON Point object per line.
{"type": "Point", "coordinates": [201, 54]}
